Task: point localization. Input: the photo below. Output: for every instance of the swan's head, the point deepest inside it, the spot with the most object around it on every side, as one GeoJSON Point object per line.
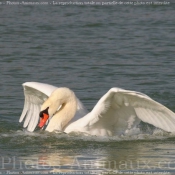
{"type": "Point", "coordinates": [55, 103]}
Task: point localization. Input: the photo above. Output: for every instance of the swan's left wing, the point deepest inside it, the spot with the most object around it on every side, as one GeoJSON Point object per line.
{"type": "Point", "coordinates": [120, 110]}
{"type": "Point", "coordinates": [35, 94]}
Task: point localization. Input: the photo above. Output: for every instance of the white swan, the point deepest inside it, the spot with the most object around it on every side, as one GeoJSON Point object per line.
{"type": "Point", "coordinates": [117, 112]}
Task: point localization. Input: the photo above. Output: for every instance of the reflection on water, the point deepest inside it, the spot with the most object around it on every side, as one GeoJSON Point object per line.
{"type": "Point", "coordinates": [75, 155]}
{"type": "Point", "coordinates": [144, 158]}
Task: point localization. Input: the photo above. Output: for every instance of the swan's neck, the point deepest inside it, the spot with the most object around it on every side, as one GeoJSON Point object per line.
{"type": "Point", "coordinates": [63, 116]}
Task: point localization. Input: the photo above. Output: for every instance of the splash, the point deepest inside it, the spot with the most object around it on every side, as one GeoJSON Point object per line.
{"type": "Point", "coordinates": [24, 137]}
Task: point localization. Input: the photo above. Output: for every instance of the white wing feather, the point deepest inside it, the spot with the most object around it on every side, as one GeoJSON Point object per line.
{"type": "Point", "coordinates": [35, 95]}
{"type": "Point", "coordinates": [120, 110]}
{"type": "Point", "coordinates": [145, 108]}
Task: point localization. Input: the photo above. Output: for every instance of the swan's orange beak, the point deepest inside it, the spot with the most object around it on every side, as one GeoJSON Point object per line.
{"type": "Point", "coordinates": [43, 120]}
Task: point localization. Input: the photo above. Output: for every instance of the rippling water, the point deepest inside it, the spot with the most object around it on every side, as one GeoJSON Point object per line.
{"type": "Point", "coordinates": [88, 49]}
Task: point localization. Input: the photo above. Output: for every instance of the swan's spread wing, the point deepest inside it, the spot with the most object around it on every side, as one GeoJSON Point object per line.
{"type": "Point", "coordinates": [35, 94]}
{"type": "Point", "coordinates": [120, 108]}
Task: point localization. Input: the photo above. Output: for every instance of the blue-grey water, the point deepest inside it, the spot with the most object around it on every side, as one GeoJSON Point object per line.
{"type": "Point", "coordinates": [88, 49]}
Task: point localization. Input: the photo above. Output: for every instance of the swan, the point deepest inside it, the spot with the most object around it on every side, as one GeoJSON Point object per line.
{"type": "Point", "coordinates": [116, 113]}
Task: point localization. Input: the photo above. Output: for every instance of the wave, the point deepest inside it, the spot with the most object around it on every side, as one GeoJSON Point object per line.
{"type": "Point", "coordinates": [146, 133]}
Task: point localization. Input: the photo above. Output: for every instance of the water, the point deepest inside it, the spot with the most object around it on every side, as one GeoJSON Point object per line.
{"type": "Point", "coordinates": [88, 49]}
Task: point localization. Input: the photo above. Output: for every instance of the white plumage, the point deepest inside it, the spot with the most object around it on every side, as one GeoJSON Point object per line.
{"type": "Point", "coordinates": [117, 112]}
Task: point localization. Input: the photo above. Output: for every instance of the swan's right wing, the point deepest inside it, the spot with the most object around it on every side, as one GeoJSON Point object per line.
{"type": "Point", "coordinates": [127, 106]}
{"type": "Point", "coordinates": [35, 95]}
{"type": "Point", "coordinates": [119, 111]}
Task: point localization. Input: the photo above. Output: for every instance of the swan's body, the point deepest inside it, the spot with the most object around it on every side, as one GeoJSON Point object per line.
{"type": "Point", "coordinates": [116, 113]}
